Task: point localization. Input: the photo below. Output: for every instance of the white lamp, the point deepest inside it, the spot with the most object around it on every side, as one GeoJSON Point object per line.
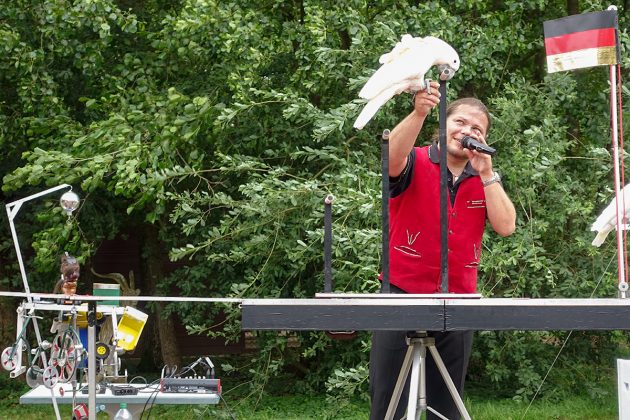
{"type": "Point", "coordinates": [69, 202]}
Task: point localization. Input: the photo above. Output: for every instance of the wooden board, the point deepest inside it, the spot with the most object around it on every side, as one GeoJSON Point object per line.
{"type": "Point", "coordinates": [362, 314]}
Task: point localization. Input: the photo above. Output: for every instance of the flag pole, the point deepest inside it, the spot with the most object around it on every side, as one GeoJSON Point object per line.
{"type": "Point", "coordinates": [619, 193]}
{"type": "Point", "coordinates": [619, 197]}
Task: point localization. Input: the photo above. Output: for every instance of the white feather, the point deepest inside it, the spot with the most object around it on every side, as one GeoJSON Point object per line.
{"type": "Point", "coordinates": [403, 69]}
{"type": "Point", "coordinates": [607, 221]}
{"type": "Point", "coordinates": [379, 100]}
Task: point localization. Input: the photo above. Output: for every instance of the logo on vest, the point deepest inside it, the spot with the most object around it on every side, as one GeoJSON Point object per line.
{"type": "Point", "coordinates": [477, 254]}
{"type": "Point", "coordinates": [407, 249]}
{"type": "Point", "coordinates": [476, 204]}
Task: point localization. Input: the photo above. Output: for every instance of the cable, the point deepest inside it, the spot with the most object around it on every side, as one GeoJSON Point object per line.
{"type": "Point", "coordinates": [563, 345]}
{"type": "Point", "coordinates": [227, 407]}
{"type": "Point", "coordinates": [152, 396]}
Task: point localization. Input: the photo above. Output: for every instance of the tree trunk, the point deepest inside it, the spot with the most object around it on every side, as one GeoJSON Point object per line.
{"type": "Point", "coordinates": [573, 7]}
{"type": "Point", "coordinates": [8, 321]}
{"type": "Point", "coordinates": [153, 274]}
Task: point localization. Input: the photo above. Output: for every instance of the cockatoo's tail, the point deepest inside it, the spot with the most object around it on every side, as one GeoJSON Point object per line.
{"type": "Point", "coordinates": [607, 221]}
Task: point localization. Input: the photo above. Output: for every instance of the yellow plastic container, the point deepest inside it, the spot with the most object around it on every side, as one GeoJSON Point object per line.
{"type": "Point", "coordinates": [130, 327]}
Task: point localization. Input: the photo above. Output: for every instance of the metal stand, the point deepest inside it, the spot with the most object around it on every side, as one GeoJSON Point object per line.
{"type": "Point", "coordinates": [328, 286]}
{"type": "Point", "coordinates": [443, 190]}
{"type": "Point", "coordinates": [385, 209]}
{"type": "Point", "coordinates": [91, 318]}
{"type": "Point", "coordinates": [415, 359]}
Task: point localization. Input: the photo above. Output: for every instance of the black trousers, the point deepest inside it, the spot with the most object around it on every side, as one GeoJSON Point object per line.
{"type": "Point", "coordinates": [386, 358]}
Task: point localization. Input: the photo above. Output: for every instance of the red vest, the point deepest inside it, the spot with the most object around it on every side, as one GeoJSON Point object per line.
{"type": "Point", "coordinates": [414, 251]}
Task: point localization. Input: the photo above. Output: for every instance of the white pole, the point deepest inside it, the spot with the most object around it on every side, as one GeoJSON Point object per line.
{"type": "Point", "coordinates": [12, 211]}
{"type": "Point", "coordinates": [620, 199]}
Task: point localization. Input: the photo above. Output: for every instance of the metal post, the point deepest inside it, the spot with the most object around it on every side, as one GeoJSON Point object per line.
{"type": "Point", "coordinates": [619, 196]}
{"type": "Point", "coordinates": [328, 243]}
{"type": "Point", "coordinates": [385, 208]}
{"type": "Point", "coordinates": [12, 210]}
{"type": "Point", "coordinates": [91, 318]}
{"type": "Point", "coordinates": [443, 191]}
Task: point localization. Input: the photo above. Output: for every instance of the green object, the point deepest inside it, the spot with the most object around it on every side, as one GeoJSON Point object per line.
{"type": "Point", "coordinates": [106, 289]}
{"type": "Point", "coordinates": [123, 413]}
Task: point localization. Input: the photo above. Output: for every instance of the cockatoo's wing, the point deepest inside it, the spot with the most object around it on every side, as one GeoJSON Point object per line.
{"type": "Point", "coordinates": [377, 102]}
{"type": "Point", "coordinates": [410, 59]}
{"type": "Point", "coordinates": [606, 222]}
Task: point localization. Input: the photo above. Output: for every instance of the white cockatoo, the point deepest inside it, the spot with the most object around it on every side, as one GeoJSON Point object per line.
{"type": "Point", "coordinates": [402, 70]}
{"type": "Point", "coordinates": [607, 220]}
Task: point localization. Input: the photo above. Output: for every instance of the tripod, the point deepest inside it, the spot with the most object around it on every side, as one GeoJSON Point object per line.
{"type": "Point", "coordinates": [415, 359]}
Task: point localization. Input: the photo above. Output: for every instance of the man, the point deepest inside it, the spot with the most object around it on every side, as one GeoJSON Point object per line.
{"type": "Point", "coordinates": [475, 194]}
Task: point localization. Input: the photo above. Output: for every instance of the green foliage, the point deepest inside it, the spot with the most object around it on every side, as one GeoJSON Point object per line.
{"type": "Point", "coordinates": [225, 124]}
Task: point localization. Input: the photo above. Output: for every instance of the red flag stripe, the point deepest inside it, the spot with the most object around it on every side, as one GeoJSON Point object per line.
{"type": "Point", "coordinates": [594, 38]}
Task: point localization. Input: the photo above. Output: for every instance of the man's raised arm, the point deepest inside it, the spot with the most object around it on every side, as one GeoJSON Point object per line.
{"type": "Point", "coordinates": [403, 136]}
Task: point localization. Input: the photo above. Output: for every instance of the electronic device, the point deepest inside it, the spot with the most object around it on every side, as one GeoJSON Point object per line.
{"type": "Point", "coordinates": [123, 390]}
{"type": "Point", "coordinates": [197, 385]}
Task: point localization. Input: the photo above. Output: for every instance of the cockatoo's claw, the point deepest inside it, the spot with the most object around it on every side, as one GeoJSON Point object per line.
{"type": "Point", "coordinates": [424, 85]}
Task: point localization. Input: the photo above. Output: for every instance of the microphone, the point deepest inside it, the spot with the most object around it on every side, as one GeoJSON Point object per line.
{"type": "Point", "coordinates": [472, 144]}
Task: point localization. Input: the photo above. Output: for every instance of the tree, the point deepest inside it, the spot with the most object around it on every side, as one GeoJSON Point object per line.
{"type": "Point", "coordinates": [217, 128]}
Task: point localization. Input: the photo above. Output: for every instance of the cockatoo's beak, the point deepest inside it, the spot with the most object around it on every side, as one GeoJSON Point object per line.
{"type": "Point", "coordinates": [446, 72]}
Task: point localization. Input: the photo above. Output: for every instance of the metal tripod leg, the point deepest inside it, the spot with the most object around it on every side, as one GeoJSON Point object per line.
{"type": "Point", "coordinates": [415, 359]}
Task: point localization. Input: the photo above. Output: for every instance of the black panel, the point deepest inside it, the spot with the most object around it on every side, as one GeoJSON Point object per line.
{"type": "Point", "coordinates": [539, 318]}
{"type": "Point", "coordinates": [343, 317]}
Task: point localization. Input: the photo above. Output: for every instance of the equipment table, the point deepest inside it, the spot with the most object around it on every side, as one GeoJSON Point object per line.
{"type": "Point", "coordinates": [144, 399]}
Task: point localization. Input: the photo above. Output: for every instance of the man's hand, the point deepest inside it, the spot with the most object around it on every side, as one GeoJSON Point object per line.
{"type": "Point", "coordinates": [481, 162]}
{"type": "Point", "coordinates": [425, 102]}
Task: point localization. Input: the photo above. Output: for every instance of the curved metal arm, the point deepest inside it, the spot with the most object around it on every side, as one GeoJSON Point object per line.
{"type": "Point", "coordinates": [12, 210]}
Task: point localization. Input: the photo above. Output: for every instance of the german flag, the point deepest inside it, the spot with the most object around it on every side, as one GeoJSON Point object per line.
{"type": "Point", "coordinates": [580, 41]}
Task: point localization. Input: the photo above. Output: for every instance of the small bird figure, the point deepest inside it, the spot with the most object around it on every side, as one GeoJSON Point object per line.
{"type": "Point", "coordinates": [607, 220]}
{"type": "Point", "coordinates": [70, 272]}
{"type": "Point", "coordinates": [403, 70]}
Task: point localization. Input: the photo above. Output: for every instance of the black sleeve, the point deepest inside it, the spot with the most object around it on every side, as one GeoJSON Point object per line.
{"type": "Point", "coordinates": [400, 183]}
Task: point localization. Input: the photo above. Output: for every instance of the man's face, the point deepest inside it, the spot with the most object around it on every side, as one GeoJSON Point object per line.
{"type": "Point", "coordinates": [466, 120]}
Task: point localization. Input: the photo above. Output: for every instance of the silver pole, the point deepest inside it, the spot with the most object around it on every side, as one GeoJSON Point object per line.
{"type": "Point", "coordinates": [92, 361]}
{"type": "Point", "coordinates": [449, 382]}
{"type": "Point", "coordinates": [12, 210]}
{"type": "Point", "coordinates": [619, 196]}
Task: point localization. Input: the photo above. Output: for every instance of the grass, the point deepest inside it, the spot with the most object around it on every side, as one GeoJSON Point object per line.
{"type": "Point", "coordinates": [302, 407]}
{"type": "Point", "coordinates": [574, 408]}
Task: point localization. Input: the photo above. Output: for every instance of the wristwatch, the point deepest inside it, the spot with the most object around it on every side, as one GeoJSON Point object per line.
{"type": "Point", "coordinates": [495, 178]}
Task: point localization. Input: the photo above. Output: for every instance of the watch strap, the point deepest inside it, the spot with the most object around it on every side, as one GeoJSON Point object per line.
{"type": "Point", "coordinates": [495, 178]}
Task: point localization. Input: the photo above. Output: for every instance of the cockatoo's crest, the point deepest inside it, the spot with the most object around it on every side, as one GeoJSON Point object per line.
{"type": "Point", "coordinates": [403, 69]}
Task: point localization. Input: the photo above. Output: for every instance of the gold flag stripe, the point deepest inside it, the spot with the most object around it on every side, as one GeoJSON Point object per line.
{"type": "Point", "coordinates": [581, 59]}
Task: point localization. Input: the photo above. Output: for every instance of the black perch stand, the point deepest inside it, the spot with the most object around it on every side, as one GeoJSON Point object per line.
{"type": "Point", "coordinates": [328, 286]}
{"type": "Point", "coordinates": [385, 209]}
{"type": "Point", "coordinates": [418, 342]}
{"type": "Point", "coordinates": [443, 190]}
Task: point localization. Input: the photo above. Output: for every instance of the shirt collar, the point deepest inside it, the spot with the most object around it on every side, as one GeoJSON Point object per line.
{"type": "Point", "coordinates": [434, 156]}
